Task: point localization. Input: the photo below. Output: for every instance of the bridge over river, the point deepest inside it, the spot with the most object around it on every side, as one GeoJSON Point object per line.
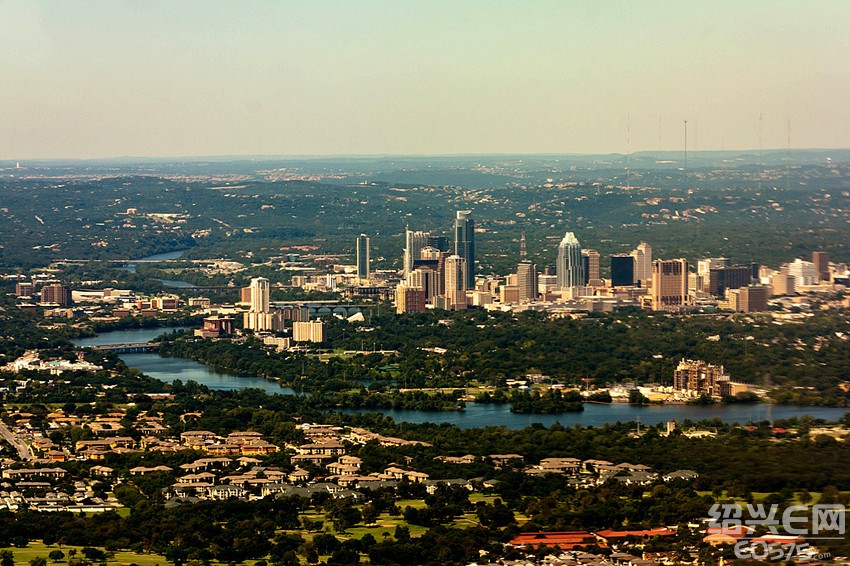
{"type": "Point", "coordinates": [128, 348]}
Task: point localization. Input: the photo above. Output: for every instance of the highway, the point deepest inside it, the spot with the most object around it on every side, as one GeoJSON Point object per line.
{"type": "Point", "coordinates": [23, 450]}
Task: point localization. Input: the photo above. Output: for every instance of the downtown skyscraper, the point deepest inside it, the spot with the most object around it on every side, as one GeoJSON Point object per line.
{"type": "Point", "coordinates": [363, 257]}
{"type": "Point", "coordinates": [414, 241]}
{"type": "Point", "coordinates": [570, 265]}
{"type": "Point", "coordinates": [465, 244]}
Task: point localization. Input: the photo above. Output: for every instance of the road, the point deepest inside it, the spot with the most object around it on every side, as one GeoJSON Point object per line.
{"type": "Point", "coordinates": [23, 450]}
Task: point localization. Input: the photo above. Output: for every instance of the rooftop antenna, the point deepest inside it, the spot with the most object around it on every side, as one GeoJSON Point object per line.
{"type": "Point", "coordinates": [628, 151]}
{"type": "Point", "coordinates": [522, 251]}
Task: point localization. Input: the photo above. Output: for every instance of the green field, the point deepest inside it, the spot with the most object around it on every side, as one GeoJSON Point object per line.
{"type": "Point", "coordinates": [36, 549]}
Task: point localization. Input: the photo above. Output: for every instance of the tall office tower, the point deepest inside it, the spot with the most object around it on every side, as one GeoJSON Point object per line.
{"type": "Point", "coordinates": [704, 266]}
{"type": "Point", "coordinates": [455, 282]}
{"type": "Point", "coordinates": [805, 272]}
{"type": "Point", "coordinates": [409, 299]}
{"type": "Point", "coordinates": [782, 283]}
{"type": "Point", "coordinates": [732, 277]}
{"type": "Point", "coordinates": [415, 240]}
{"type": "Point", "coordinates": [550, 269]}
{"type": "Point", "coordinates": [570, 267]}
{"type": "Point", "coordinates": [427, 279]}
{"type": "Point", "coordinates": [821, 261]}
{"type": "Point", "coordinates": [591, 268]}
{"type": "Point", "coordinates": [622, 270]}
{"type": "Point", "coordinates": [643, 264]}
{"type": "Point", "coordinates": [465, 244]}
{"type": "Point", "coordinates": [526, 279]}
{"type": "Point", "coordinates": [56, 294]}
{"type": "Point", "coordinates": [363, 256]}
{"type": "Point", "coordinates": [752, 298]}
{"type": "Point", "coordinates": [439, 242]}
{"type": "Point", "coordinates": [523, 252]}
{"type": "Point", "coordinates": [669, 284]}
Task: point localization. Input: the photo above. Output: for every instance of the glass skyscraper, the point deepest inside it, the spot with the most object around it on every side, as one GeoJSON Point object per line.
{"type": "Point", "coordinates": [570, 266]}
{"type": "Point", "coordinates": [465, 244]}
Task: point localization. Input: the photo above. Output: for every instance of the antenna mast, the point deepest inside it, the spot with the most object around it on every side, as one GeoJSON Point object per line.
{"type": "Point", "coordinates": [628, 152]}
{"type": "Point", "coordinates": [686, 150]}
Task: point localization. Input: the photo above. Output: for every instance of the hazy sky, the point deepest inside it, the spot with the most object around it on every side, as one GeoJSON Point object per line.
{"type": "Point", "coordinates": [113, 78]}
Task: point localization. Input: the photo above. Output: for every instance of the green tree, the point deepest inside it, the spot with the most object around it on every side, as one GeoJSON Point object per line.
{"type": "Point", "coordinates": [7, 558]}
{"type": "Point", "coordinates": [56, 555]}
{"type": "Point", "coordinates": [38, 561]}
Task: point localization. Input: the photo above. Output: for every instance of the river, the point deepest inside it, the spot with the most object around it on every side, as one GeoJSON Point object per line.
{"type": "Point", "coordinates": [169, 369]}
{"type": "Point", "coordinates": [476, 415]}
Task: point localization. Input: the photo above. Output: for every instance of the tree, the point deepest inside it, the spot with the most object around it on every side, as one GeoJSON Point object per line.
{"type": "Point", "coordinates": [38, 561]}
{"type": "Point", "coordinates": [7, 558]}
{"type": "Point", "coordinates": [56, 555]}
{"type": "Point", "coordinates": [805, 497]}
{"type": "Point", "coordinates": [370, 514]}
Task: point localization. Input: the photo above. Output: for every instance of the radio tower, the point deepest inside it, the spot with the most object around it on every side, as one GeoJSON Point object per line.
{"type": "Point", "coordinates": [686, 150]}
{"type": "Point", "coordinates": [761, 159]}
{"type": "Point", "coordinates": [629, 152]}
{"type": "Point", "coordinates": [522, 251]}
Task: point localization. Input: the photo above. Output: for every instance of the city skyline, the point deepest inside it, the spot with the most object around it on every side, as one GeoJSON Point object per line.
{"type": "Point", "coordinates": [109, 79]}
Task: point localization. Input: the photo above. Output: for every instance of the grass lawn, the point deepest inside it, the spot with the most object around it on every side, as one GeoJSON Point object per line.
{"type": "Point", "coordinates": [35, 549]}
{"type": "Point", "coordinates": [759, 496]}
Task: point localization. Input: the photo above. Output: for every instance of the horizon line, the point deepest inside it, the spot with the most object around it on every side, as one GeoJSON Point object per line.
{"type": "Point", "coordinates": [248, 157]}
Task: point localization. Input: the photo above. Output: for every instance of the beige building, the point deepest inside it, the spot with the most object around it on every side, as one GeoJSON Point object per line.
{"type": "Point", "coordinates": [409, 299]}
{"type": "Point", "coordinates": [308, 331]}
{"type": "Point", "coordinates": [669, 287]}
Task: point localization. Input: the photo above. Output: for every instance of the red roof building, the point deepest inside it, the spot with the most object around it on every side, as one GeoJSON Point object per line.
{"type": "Point", "coordinates": [645, 533]}
{"type": "Point", "coordinates": [566, 540]}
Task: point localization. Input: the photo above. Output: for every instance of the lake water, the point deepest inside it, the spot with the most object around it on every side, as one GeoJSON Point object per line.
{"type": "Point", "coordinates": [168, 369]}
{"type": "Point", "coordinates": [475, 415]}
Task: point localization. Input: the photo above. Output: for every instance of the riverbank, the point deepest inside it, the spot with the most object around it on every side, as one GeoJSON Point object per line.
{"type": "Point", "coordinates": [475, 415]}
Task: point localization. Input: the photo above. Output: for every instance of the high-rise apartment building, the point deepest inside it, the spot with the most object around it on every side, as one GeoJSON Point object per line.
{"type": "Point", "coordinates": [56, 294]}
{"type": "Point", "coordinates": [570, 266]}
{"type": "Point", "coordinates": [427, 279]}
{"type": "Point", "coordinates": [643, 264]}
{"type": "Point", "coordinates": [415, 240]}
{"type": "Point", "coordinates": [526, 280]}
{"type": "Point", "coordinates": [308, 331]}
{"type": "Point", "coordinates": [260, 294]}
{"type": "Point", "coordinates": [455, 282]}
{"type": "Point", "coordinates": [363, 257]}
{"type": "Point", "coordinates": [465, 244]}
{"type": "Point", "coordinates": [409, 299]}
{"type": "Point", "coordinates": [669, 287]}
{"type": "Point", "coordinates": [24, 289]}
{"type": "Point", "coordinates": [258, 318]}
